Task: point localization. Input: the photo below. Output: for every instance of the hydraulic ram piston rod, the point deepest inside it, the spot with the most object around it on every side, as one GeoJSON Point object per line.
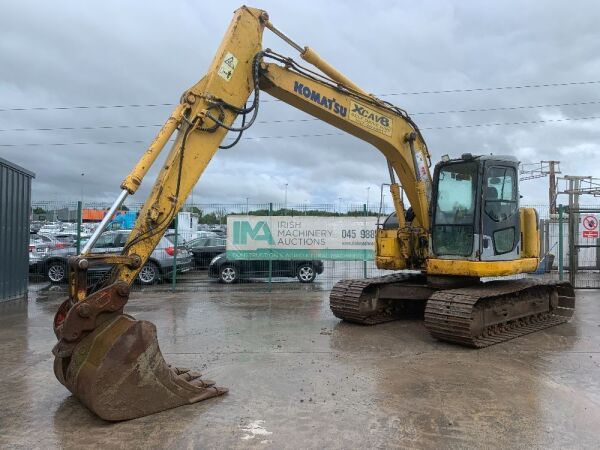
{"type": "Point", "coordinates": [107, 218]}
{"type": "Point", "coordinates": [312, 57]}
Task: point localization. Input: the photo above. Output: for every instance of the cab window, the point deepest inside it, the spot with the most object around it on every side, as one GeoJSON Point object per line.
{"type": "Point", "coordinates": [500, 193]}
{"type": "Point", "coordinates": [456, 194]}
{"type": "Point", "coordinates": [454, 215]}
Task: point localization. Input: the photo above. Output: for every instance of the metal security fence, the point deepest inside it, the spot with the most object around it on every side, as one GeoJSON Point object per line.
{"type": "Point", "coordinates": [182, 260]}
{"type": "Point", "coordinates": [584, 245]}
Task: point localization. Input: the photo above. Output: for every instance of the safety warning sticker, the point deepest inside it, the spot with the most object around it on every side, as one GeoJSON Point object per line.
{"type": "Point", "coordinates": [590, 225]}
{"type": "Point", "coordinates": [228, 66]}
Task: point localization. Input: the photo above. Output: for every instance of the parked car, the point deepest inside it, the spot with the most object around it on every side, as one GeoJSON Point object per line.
{"type": "Point", "coordinates": [207, 234]}
{"type": "Point", "coordinates": [53, 262]}
{"type": "Point", "coordinates": [45, 240]}
{"type": "Point", "coordinates": [185, 237]}
{"type": "Point", "coordinates": [181, 242]}
{"type": "Point", "coordinates": [51, 228]}
{"type": "Point", "coordinates": [211, 230]}
{"type": "Point", "coordinates": [38, 252]}
{"type": "Point", "coordinates": [35, 226]}
{"type": "Point", "coordinates": [205, 249]}
{"type": "Point", "coordinates": [66, 238]}
{"type": "Point", "coordinates": [231, 271]}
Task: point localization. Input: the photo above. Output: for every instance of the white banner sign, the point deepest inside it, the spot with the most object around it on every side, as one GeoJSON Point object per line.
{"type": "Point", "coordinates": [301, 237]}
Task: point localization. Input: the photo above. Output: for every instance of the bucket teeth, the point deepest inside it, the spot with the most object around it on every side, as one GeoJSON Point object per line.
{"type": "Point", "coordinates": [119, 373]}
{"type": "Point", "coordinates": [192, 377]}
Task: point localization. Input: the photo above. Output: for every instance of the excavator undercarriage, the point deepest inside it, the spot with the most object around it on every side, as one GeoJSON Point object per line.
{"type": "Point", "coordinates": [478, 315]}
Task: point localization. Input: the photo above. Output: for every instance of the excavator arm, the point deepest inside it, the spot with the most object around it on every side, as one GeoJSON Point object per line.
{"type": "Point", "coordinates": [111, 361]}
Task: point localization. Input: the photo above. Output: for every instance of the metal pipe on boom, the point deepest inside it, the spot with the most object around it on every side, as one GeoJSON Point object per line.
{"type": "Point", "coordinates": [311, 56]}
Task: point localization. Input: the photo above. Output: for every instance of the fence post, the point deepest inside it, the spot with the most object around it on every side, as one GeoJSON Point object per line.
{"type": "Point", "coordinates": [364, 251]}
{"type": "Point", "coordinates": [79, 220]}
{"type": "Point", "coordinates": [270, 255]}
{"type": "Point", "coordinates": [560, 243]}
{"type": "Point", "coordinates": [573, 220]}
{"type": "Point", "coordinates": [174, 274]}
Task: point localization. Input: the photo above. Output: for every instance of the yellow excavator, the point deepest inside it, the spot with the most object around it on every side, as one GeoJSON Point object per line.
{"type": "Point", "coordinates": [463, 224]}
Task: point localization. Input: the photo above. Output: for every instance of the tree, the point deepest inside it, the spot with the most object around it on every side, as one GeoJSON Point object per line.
{"type": "Point", "coordinates": [39, 210]}
{"type": "Point", "coordinates": [221, 215]}
{"type": "Point", "coordinates": [210, 219]}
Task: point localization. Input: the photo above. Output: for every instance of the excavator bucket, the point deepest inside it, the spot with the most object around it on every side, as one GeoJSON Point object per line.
{"type": "Point", "coordinates": [119, 373]}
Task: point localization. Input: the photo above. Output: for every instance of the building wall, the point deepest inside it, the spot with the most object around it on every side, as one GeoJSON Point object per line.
{"type": "Point", "coordinates": [15, 205]}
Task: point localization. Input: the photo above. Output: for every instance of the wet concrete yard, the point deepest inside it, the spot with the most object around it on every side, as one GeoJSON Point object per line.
{"type": "Point", "coordinates": [301, 379]}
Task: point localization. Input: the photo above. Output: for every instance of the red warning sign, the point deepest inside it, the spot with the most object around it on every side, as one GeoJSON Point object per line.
{"type": "Point", "coordinates": [590, 223]}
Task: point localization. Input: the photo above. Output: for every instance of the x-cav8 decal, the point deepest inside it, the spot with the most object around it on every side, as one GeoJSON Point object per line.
{"type": "Point", "coordinates": [369, 118]}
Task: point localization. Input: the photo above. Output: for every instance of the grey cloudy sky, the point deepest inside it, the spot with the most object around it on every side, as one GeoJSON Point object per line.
{"type": "Point", "coordinates": [68, 53]}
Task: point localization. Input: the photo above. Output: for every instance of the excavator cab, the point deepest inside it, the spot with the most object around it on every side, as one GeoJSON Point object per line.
{"type": "Point", "coordinates": [475, 209]}
{"type": "Point", "coordinates": [477, 227]}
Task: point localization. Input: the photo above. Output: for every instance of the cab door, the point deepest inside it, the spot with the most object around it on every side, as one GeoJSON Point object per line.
{"type": "Point", "coordinates": [455, 208]}
{"type": "Point", "coordinates": [500, 230]}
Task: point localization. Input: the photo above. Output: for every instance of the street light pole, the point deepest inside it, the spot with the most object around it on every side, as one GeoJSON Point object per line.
{"type": "Point", "coordinates": [82, 184]}
{"type": "Point", "coordinates": [285, 202]}
{"type": "Point", "coordinates": [368, 191]}
{"type": "Point", "coordinates": [247, 198]}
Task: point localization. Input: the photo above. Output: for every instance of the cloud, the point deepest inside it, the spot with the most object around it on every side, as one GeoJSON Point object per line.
{"type": "Point", "coordinates": [120, 53]}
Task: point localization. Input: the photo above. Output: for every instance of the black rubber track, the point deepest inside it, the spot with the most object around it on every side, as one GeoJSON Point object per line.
{"type": "Point", "coordinates": [448, 314]}
{"type": "Point", "coordinates": [346, 297]}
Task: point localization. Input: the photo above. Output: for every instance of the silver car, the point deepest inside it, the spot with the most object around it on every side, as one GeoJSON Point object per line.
{"type": "Point", "coordinates": [53, 263]}
{"type": "Point", "coordinates": [45, 240]}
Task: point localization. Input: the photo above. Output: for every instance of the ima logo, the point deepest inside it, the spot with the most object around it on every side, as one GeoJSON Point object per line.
{"type": "Point", "coordinates": [242, 229]}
